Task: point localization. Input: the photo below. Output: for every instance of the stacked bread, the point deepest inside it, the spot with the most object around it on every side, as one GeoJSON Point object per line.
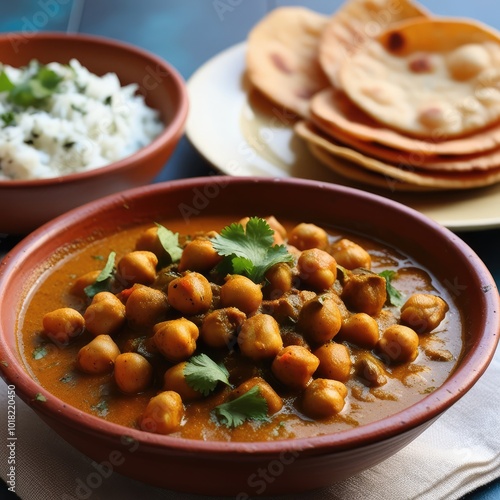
{"type": "Point", "coordinates": [385, 93]}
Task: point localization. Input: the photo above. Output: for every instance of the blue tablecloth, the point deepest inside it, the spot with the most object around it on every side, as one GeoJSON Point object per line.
{"type": "Point", "coordinates": [187, 33]}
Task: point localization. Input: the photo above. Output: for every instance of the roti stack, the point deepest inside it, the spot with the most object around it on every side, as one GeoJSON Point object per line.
{"type": "Point", "coordinates": [389, 95]}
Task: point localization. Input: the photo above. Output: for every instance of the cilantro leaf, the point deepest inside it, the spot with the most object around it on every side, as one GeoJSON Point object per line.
{"type": "Point", "coordinates": [394, 296]}
{"type": "Point", "coordinates": [39, 352]}
{"type": "Point", "coordinates": [6, 84]}
{"type": "Point", "coordinates": [170, 242]}
{"type": "Point", "coordinates": [249, 406]}
{"type": "Point", "coordinates": [102, 281]}
{"type": "Point", "coordinates": [8, 117]}
{"type": "Point", "coordinates": [202, 374]}
{"type": "Point", "coordinates": [250, 251]}
{"type": "Point", "coordinates": [34, 90]}
{"type": "Point", "coordinates": [101, 408]}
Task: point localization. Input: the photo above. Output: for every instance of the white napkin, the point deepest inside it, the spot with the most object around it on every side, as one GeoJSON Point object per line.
{"type": "Point", "coordinates": [455, 455]}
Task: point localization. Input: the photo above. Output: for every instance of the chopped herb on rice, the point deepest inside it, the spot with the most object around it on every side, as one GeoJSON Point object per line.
{"type": "Point", "coordinates": [59, 119]}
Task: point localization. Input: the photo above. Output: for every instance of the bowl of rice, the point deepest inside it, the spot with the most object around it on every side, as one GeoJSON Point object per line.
{"type": "Point", "coordinates": [81, 117]}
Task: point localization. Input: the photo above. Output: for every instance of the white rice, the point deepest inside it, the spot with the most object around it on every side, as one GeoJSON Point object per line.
{"type": "Point", "coordinates": [89, 122]}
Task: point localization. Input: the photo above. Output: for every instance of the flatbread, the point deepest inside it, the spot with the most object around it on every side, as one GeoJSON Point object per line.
{"type": "Point", "coordinates": [334, 110]}
{"type": "Point", "coordinates": [356, 22]}
{"type": "Point", "coordinates": [282, 57]}
{"type": "Point", "coordinates": [431, 78]}
{"type": "Point", "coordinates": [477, 161]}
{"type": "Point", "coordinates": [405, 173]}
{"type": "Point", "coordinates": [360, 175]}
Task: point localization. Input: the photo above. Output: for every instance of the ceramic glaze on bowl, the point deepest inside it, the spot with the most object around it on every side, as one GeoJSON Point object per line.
{"type": "Point", "coordinates": [235, 468]}
{"type": "Point", "coordinates": [25, 205]}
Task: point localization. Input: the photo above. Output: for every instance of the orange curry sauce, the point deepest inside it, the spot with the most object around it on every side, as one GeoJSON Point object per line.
{"type": "Point", "coordinates": [55, 367]}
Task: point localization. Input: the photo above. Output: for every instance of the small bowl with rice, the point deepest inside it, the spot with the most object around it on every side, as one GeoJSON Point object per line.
{"type": "Point", "coordinates": [81, 117]}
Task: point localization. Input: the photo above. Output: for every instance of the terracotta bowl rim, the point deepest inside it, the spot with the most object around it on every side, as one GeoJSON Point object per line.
{"type": "Point", "coordinates": [173, 128]}
{"type": "Point", "coordinates": [471, 368]}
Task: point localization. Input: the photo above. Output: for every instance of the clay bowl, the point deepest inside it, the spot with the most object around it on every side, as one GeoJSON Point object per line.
{"type": "Point", "coordinates": [25, 205]}
{"type": "Point", "coordinates": [228, 468]}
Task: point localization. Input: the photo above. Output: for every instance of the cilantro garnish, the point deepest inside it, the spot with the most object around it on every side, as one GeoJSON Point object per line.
{"type": "Point", "coordinates": [202, 374]}
{"type": "Point", "coordinates": [8, 118]}
{"type": "Point", "coordinates": [393, 295]}
{"type": "Point", "coordinates": [69, 378]}
{"type": "Point", "coordinates": [39, 352]}
{"type": "Point", "coordinates": [102, 281]}
{"type": "Point", "coordinates": [40, 397]}
{"type": "Point", "coordinates": [250, 251]}
{"type": "Point", "coordinates": [170, 242]}
{"type": "Point", "coordinates": [34, 90]}
{"type": "Point", "coordinates": [101, 408]}
{"type": "Point", "coordinates": [5, 83]}
{"type": "Point", "coordinates": [249, 406]}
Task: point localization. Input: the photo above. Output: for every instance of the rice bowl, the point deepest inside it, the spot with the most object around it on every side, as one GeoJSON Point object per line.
{"type": "Point", "coordinates": [27, 204]}
{"type": "Point", "coordinates": [81, 122]}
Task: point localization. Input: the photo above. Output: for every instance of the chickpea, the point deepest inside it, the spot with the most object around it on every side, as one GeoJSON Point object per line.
{"type": "Point", "coordinates": [83, 282]}
{"type": "Point", "coordinates": [62, 325]}
{"type": "Point", "coordinates": [174, 380]}
{"type": "Point", "coordinates": [323, 398]}
{"type": "Point", "coordinates": [149, 241]}
{"type": "Point", "coordinates": [360, 329]}
{"type": "Point", "coordinates": [176, 339]}
{"type": "Point", "coordinates": [241, 292]}
{"type": "Point", "coordinates": [278, 228]}
{"type": "Point", "coordinates": [364, 292]}
{"type": "Point", "coordinates": [199, 255]}
{"type": "Point", "coordinates": [370, 370]}
{"type": "Point", "coordinates": [138, 266]}
{"type": "Point", "coordinates": [287, 308]}
{"type": "Point", "coordinates": [305, 236]}
{"type": "Point", "coordinates": [260, 337]}
{"type": "Point", "coordinates": [350, 255]}
{"type": "Point", "coordinates": [334, 361]}
{"type": "Point", "coordinates": [163, 414]}
{"type": "Point", "coordinates": [220, 327]}
{"type": "Point", "coordinates": [317, 269]}
{"type": "Point", "coordinates": [293, 251]}
{"type": "Point", "coordinates": [145, 306]}
{"type": "Point", "coordinates": [133, 373]}
{"type": "Point", "coordinates": [98, 356]}
{"type": "Point", "coordinates": [274, 402]}
{"type": "Point", "coordinates": [399, 343]}
{"type": "Point", "coordinates": [294, 366]}
{"type": "Point", "coordinates": [105, 314]}
{"type": "Point", "coordinates": [279, 280]}
{"type": "Point", "coordinates": [423, 312]}
{"type": "Point", "coordinates": [320, 319]}
{"type": "Point", "coordinates": [190, 294]}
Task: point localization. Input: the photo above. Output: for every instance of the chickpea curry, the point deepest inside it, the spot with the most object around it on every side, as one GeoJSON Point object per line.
{"type": "Point", "coordinates": [252, 330]}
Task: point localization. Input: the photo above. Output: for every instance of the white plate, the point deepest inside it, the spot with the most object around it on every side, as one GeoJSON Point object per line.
{"type": "Point", "coordinates": [241, 135]}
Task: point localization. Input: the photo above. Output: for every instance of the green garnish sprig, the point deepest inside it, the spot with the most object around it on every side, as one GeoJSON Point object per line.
{"type": "Point", "coordinates": [32, 91]}
{"type": "Point", "coordinates": [394, 296]}
{"type": "Point", "coordinates": [203, 374]}
{"type": "Point", "coordinates": [101, 284]}
{"type": "Point", "coordinates": [249, 251]}
{"type": "Point", "coordinates": [170, 242]}
{"type": "Point", "coordinates": [249, 406]}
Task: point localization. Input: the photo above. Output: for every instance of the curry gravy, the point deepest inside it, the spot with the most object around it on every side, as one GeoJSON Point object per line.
{"type": "Point", "coordinates": [54, 367]}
